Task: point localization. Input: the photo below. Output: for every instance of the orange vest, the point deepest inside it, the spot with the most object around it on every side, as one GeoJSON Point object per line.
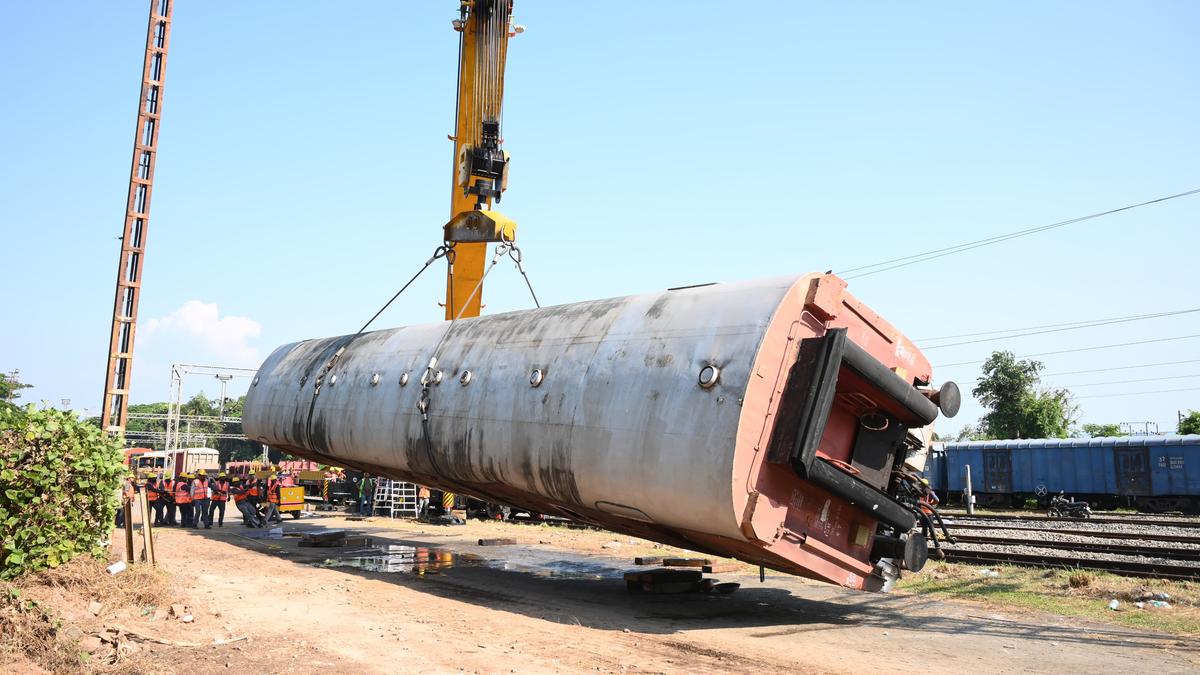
{"type": "Point", "coordinates": [252, 491]}
{"type": "Point", "coordinates": [273, 492]}
{"type": "Point", "coordinates": [127, 490]}
{"type": "Point", "coordinates": [199, 489]}
{"type": "Point", "coordinates": [152, 489]}
{"type": "Point", "coordinates": [220, 490]}
{"type": "Point", "coordinates": [182, 494]}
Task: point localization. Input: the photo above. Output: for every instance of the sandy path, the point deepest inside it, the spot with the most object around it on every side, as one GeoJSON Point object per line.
{"type": "Point", "coordinates": [547, 613]}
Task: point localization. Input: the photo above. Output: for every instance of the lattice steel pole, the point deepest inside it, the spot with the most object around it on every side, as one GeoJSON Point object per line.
{"type": "Point", "coordinates": [119, 374]}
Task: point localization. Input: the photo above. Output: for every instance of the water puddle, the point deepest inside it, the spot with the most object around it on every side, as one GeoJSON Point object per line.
{"type": "Point", "coordinates": [397, 558]}
{"type": "Point", "coordinates": [561, 569]}
{"type": "Point", "coordinates": [422, 560]}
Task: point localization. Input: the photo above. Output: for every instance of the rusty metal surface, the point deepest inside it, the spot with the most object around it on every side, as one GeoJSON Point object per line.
{"type": "Point", "coordinates": [119, 373]}
{"type": "Point", "coordinates": [619, 423]}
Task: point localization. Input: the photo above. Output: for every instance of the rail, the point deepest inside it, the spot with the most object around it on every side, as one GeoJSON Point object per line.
{"type": "Point", "coordinates": [1113, 521]}
{"type": "Point", "coordinates": [1103, 534]}
{"type": "Point", "coordinates": [1088, 547]}
{"type": "Point", "coordinates": [1122, 567]}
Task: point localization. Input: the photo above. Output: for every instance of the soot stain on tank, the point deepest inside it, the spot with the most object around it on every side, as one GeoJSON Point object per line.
{"type": "Point", "coordinates": [659, 361]}
{"type": "Point", "coordinates": [556, 475]}
{"type": "Point", "coordinates": [459, 455]}
{"type": "Point", "coordinates": [415, 456]}
{"type": "Point", "coordinates": [656, 310]}
{"type": "Point", "coordinates": [317, 432]}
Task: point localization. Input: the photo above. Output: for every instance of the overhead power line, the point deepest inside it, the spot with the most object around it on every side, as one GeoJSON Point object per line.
{"type": "Point", "coordinates": [915, 258]}
{"type": "Point", "coordinates": [1105, 370]}
{"type": "Point", "coordinates": [1148, 379]}
{"type": "Point", "coordinates": [1093, 324]}
{"type": "Point", "coordinates": [1139, 393]}
{"type": "Point", "coordinates": [1081, 322]}
{"type": "Point", "coordinates": [1078, 349]}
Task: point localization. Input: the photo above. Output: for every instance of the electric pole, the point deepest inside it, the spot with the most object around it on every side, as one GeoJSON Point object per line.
{"type": "Point", "coordinates": [119, 375]}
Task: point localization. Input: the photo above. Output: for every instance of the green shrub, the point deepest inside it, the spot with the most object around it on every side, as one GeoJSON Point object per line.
{"type": "Point", "coordinates": [58, 482]}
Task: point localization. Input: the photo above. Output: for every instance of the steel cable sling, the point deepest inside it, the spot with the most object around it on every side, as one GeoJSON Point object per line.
{"type": "Point", "coordinates": [431, 375]}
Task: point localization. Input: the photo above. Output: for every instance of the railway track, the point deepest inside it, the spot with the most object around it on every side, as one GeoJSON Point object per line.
{"type": "Point", "coordinates": [1191, 524]}
{"type": "Point", "coordinates": [1102, 534]}
{"type": "Point", "coordinates": [1117, 549]}
{"type": "Point", "coordinates": [1122, 567]}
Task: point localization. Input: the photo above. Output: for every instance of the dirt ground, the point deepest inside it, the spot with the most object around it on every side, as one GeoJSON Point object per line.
{"type": "Point", "coordinates": [556, 602]}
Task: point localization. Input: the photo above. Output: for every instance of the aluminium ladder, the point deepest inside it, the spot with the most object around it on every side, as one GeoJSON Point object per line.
{"type": "Point", "coordinates": [395, 498]}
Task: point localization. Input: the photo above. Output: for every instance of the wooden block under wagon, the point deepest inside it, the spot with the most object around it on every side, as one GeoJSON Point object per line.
{"type": "Point", "coordinates": [686, 562]}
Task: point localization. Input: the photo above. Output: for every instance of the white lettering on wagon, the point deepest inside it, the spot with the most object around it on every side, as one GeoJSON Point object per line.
{"type": "Point", "coordinates": [1174, 462]}
{"type": "Point", "coordinates": [905, 354]}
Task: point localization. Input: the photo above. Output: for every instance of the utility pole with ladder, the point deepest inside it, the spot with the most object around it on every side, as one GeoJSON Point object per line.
{"type": "Point", "coordinates": [119, 374]}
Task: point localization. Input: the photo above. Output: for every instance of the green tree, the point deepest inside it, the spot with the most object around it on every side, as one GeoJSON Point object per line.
{"type": "Point", "coordinates": [158, 425]}
{"type": "Point", "coordinates": [10, 388]}
{"type": "Point", "coordinates": [60, 477]}
{"type": "Point", "coordinates": [1017, 407]}
{"type": "Point", "coordinates": [1191, 423]}
{"type": "Point", "coordinates": [970, 433]}
{"type": "Point", "coordinates": [200, 433]}
{"type": "Point", "coordinates": [1102, 430]}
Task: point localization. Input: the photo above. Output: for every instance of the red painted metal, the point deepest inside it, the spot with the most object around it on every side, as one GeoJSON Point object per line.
{"type": "Point", "coordinates": [119, 373]}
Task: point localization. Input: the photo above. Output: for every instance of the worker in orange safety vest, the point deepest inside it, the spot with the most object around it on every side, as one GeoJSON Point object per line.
{"type": "Point", "coordinates": [200, 500]}
{"type": "Point", "coordinates": [183, 499]}
{"type": "Point", "coordinates": [245, 497]}
{"type": "Point", "coordinates": [154, 497]}
{"type": "Point", "coordinates": [220, 495]}
{"type": "Point", "coordinates": [272, 512]}
{"type": "Point", "coordinates": [168, 495]}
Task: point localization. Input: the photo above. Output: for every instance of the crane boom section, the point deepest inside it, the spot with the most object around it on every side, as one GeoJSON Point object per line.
{"type": "Point", "coordinates": [480, 164]}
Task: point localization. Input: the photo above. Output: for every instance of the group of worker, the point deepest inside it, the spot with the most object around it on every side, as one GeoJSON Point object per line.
{"type": "Point", "coordinates": [198, 499]}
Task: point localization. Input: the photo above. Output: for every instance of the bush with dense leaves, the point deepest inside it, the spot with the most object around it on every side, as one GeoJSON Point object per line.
{"type": "Point", "coordinates": [58, 482]}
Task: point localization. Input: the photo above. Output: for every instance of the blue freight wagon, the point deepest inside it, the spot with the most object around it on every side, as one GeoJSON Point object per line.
{"type": "Point", "coordinates": [1152, 473]}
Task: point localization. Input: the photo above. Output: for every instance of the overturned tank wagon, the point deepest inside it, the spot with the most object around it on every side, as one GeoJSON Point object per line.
{"type": "Point", "coordinates": [764, 420]}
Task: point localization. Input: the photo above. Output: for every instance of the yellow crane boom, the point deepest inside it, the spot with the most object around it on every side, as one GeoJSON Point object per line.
{"type": "Point", "coordinates": [480, 163]}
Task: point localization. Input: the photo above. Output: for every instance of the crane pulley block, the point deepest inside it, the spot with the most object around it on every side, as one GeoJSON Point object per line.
{"type": "Point", "coordinates": [480, 226]}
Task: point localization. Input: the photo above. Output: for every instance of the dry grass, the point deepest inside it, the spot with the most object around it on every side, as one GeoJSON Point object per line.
{"type": "Point", "coordinates": [30, 636]}
{"type": "Point", "coordinates": [1080, 579]}
{"type": "Point", "coordinates": [1067, 592]}
{"type": "Point", "coordinates": [138, 585]}
{"type": "Point", "coordinates": [43, 616]}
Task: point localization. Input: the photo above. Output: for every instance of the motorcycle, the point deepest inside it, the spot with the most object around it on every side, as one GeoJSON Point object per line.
{"type": "Point", "coordinates": [1061, 507]}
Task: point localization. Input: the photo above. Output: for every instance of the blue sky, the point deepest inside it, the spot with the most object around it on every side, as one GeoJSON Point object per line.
{"type": "Point", "coordinates": [304, 171]}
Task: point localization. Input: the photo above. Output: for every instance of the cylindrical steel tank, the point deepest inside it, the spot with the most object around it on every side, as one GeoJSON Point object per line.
{"type": "Point", "coordinates": [650, 414]}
